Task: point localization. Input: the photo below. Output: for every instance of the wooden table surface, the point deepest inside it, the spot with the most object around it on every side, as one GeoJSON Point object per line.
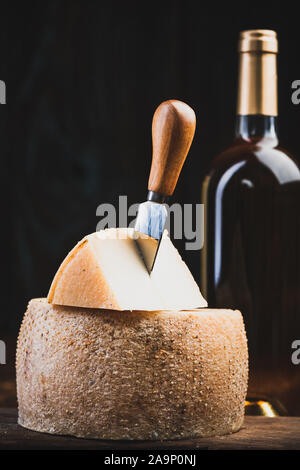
{"type": "Point", "coordinates": [257, 433]}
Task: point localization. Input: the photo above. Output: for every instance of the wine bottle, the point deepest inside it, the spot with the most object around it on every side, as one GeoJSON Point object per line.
{"type": "Point", "coordinates": [251, 255]}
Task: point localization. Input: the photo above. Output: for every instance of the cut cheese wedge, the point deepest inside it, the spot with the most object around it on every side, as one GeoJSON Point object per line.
{"type": "Point", "coordinates": [131, 375]}
{"type": "Point", "coordinates": [105, 270]}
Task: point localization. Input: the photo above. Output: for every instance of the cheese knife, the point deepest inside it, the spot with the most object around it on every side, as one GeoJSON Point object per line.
{"type": "Point", "coordinates": [173, 129]}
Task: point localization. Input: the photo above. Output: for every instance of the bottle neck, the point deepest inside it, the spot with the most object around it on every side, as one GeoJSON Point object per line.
{"type": "Point", "coordinates": [257, 128]}
{"type": "Point", "coordinates": [257, 96]}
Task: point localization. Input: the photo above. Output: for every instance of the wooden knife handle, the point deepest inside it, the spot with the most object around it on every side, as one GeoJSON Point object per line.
{"type": "Point", "coordinates": [173, 129]}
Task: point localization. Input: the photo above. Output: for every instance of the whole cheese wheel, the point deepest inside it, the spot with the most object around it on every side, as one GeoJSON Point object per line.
{"type": "Point", "coordinates": [131, 375]}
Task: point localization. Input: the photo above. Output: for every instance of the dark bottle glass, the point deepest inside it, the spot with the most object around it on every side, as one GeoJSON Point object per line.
{"type": "Point", "coordinates": [251, 255]}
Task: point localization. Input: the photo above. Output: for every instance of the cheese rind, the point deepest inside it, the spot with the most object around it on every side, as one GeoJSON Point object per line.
{"type": "Point", "coordinates": [105, 270]}
{"type": "Point", "coordinates": [131, 375]}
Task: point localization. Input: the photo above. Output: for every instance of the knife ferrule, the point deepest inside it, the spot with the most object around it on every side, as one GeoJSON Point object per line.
{"type": "Point", "coordinates": [154, 196]}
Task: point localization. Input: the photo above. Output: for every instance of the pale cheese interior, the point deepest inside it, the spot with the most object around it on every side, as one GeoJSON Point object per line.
{"type": "Point", "coordinates": [125, 272]}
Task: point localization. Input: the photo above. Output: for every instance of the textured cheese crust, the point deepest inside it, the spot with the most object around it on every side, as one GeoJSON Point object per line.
{"type": "Point", "coordinates": [131, 375]}
{"type": "Point", "coordinates": [105, 270]}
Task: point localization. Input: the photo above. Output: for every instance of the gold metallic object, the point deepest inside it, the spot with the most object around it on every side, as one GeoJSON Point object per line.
{"type": "Point", "coordinates": [260, 408]}
{"type": "Point", "coordinates": [258, 40]}
{"type": "Point", "coordinates": [257, 93]}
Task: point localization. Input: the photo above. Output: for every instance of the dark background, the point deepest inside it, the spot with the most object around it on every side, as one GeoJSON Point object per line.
{"type": "Point", "coordinates": [83, 80]}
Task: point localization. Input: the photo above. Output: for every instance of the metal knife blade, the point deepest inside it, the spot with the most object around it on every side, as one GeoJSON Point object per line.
{"type": "Point", "coordinates": [150, 221]}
